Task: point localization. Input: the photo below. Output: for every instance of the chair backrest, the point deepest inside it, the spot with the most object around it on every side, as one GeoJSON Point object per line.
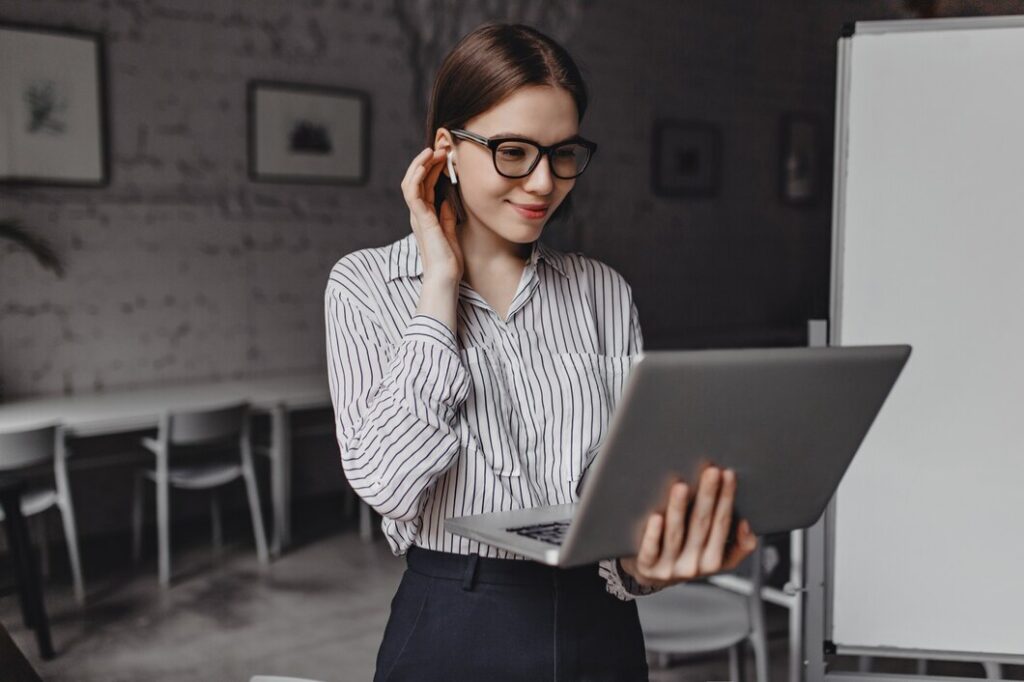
{"type": "Point", "coordinates": [194, 427]}
{"type": "Point", "coordinates": [28, 447]}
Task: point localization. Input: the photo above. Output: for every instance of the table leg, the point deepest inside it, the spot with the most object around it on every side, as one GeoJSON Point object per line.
{"type": "Point", "coordinates": [27, 571]}
{"type": "Point", "coordinates": [365, 522]}
{"type": "Point", "coordinates": [280, 477]}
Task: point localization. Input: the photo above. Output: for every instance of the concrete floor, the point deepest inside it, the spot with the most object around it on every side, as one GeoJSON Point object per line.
{"type": "Point", "coordinates": [318, 612]}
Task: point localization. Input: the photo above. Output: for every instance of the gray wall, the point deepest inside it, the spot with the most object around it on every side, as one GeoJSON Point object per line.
{"type": "Point", "coordinates": [183, 269]}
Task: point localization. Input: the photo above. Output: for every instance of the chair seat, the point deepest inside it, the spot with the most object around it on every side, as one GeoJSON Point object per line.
{"type": "Point", "coordinates": [200, 475]}
{"type": "Point", "coordinates": [36, 501]}
{"type": "Point", "coordinates": [690, 619]}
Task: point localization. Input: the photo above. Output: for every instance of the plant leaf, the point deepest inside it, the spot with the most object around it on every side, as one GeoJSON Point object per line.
{"type": "Point", "coordinates": [37, 246]}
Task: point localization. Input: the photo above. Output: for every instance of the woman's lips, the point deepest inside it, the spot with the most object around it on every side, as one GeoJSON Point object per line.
{"type": "Point", "coordinates": [528, 213]}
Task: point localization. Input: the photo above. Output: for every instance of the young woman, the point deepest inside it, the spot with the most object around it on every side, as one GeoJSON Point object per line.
{"type": "Point", "coordinates": [474, 369]}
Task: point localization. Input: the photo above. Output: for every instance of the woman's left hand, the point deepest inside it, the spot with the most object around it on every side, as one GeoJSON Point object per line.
{"type": "Point", "coordinates": [676, 549]}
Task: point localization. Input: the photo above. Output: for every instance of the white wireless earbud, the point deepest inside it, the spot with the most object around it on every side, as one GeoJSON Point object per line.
{"type": "Point", "coordinates": [451, 168]}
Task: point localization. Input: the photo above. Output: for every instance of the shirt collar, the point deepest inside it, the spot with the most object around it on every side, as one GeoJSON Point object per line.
{"type": "Point", "coordinates": [404, 258]}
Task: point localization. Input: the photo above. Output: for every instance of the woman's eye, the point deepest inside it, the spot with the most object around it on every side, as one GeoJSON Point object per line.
{"type": "Point", "coordinates": [511, 153]}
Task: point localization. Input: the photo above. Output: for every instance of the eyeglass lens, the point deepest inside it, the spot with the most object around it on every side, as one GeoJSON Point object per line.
{"type": "Point", "coordinates": [514, 159]}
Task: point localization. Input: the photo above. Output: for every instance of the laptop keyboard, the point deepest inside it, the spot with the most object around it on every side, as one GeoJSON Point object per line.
{"type": "Point", "coordinates": [552, 533]}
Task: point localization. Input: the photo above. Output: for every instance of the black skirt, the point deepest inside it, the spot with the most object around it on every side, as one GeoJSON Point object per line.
{"type": "Point", "coordinates": [459, 617]}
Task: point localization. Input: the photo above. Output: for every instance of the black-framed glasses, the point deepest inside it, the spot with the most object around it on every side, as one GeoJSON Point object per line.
{"type": "Point", "coordinates": [516, 157]}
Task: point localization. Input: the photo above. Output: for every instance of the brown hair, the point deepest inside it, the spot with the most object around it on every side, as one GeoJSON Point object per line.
{"type": "Point", "coordinates": [484, 68]}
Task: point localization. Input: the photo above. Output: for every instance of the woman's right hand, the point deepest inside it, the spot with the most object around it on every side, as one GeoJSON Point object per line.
{"type": "Point", "coordinates": [439, 247]}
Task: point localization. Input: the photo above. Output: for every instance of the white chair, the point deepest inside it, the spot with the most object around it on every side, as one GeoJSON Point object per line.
{"type": "Point", "coordinates": [696, 618]}
{"type": "Point", "coordinates": [44, 446]}
{"type": "Point", "coordinates": [192, 432]}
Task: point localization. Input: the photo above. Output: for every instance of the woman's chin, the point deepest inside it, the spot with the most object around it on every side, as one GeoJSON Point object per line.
{"type": "Point", "coordinates": [523, 233]}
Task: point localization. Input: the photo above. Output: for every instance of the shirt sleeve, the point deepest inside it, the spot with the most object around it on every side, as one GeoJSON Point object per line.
{"type": "Point", "coordinates": [395, 404]}
{"type": "Point", "coordinates": [617, 581]}
{"type": "Point", "coordinates": [635, 343]}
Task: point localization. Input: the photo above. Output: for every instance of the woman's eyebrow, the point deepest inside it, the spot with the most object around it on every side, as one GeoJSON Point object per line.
{"type": "Point", "coordinates": [506, 133]}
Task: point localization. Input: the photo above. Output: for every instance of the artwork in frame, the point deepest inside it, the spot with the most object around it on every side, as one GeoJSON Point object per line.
{"type": "Point", "coordinates": [686, 158]}
{"type": "Point", "coordinates": [799, 159]}
{"type": "Point", "coordinates": [53, 121]}
{"type": "Point", "coordinates": [308, 133]}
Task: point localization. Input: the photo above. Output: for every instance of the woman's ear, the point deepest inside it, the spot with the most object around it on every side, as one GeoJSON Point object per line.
{"type": "Point", "coordinates": [444, 141]}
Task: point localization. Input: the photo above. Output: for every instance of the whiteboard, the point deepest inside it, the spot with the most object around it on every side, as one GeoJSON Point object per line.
{"type": "Point", "coordinates": [928, 247]}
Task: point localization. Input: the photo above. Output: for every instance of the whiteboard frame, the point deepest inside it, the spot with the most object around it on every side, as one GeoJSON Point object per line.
{"type": "Point", "coordinates": [820, 538]}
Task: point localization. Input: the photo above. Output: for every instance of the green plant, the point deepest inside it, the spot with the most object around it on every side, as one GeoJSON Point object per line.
{"type": "Point", "coordinates": [40, 248]}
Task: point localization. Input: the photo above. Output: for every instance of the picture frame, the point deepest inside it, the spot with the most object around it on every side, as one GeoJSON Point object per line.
{"type": "Point", "coordinates": [54, 130]}
{"type": "Point", "coordinates": [309, 134]}
{"type": "Point", "coordinates": [686, 158]}
{"type": "Point", "coordinates": [800, 162]}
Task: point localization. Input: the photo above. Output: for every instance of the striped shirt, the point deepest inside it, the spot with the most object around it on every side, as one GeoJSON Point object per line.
{"type": "Point", "coordinates": [496, 415]}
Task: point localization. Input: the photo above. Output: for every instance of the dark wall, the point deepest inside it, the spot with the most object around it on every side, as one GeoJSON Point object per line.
{"type": "Point", "coordinates": [182, 268]}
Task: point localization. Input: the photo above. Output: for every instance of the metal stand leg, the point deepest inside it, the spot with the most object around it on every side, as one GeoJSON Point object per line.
{"type": "Point", "coordinates": [795, 587]}
{"type": "Point", "coordinates": [30, 589]}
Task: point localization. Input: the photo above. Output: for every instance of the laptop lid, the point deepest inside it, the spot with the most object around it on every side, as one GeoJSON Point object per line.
{"type": "Point", "coordinates": [787, 420]}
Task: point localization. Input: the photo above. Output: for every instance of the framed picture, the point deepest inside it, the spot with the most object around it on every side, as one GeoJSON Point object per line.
{"type": "Point", "coordinates": [53, 122]}
{"type": "Point", "coordinates": [799, 160]}
{"type": "Point", "coordinates": [686, 158]}
{"type": "Point", "coordinates": [308, 133]}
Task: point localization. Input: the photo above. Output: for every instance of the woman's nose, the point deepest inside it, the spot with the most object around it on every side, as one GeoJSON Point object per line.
{"type": "Point", "coordinates": [541, 181]}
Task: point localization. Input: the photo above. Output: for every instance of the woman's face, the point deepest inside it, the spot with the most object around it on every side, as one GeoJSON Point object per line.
{"type": "Point", "coordinates": [543, 114]}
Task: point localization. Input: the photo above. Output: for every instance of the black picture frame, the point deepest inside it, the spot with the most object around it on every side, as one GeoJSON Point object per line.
{"type": "Point", "coordinates": [686, 158]}
{"type": "Point", "coordinates": [800, 159]}
{"type": "Point", "coordinates": [307, 133]}
{"type": "Point", "coordinates": [59, 130]}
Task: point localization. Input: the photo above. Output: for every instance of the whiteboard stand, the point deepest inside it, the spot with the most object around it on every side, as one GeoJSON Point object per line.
{"type": "Point", "coordinates": [963, 38]}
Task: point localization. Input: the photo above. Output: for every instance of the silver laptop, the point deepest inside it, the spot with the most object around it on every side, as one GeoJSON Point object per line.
{"type": "Point", "coordinates": [787, 420]}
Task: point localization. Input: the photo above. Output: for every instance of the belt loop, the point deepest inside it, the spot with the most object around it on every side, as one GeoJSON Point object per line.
{"type": "Point", "coordinates": [469, 577]}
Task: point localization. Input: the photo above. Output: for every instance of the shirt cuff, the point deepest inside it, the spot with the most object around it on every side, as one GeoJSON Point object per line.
{"type": "Point", "coordinates": [432, 330]}
{"type": "Point", "coordinates": [621, 584]}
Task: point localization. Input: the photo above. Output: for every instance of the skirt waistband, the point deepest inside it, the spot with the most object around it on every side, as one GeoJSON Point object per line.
{"type": "Point", "coordinates": [472, 568]}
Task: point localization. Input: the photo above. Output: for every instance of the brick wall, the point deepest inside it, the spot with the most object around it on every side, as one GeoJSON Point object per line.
{"type": "Point", "coordinates": [184, 269]}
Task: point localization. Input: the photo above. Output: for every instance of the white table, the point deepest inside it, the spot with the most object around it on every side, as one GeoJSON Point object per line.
{"type": "Point", "coordinates": [118, 411]}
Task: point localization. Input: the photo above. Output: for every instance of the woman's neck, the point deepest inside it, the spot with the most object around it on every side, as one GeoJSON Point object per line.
{"type": "Point", "coordinates": [489, 257]}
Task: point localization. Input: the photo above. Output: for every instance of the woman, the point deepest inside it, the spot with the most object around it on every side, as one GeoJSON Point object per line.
{"type": "Point", "coordinates": [474, 369]}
